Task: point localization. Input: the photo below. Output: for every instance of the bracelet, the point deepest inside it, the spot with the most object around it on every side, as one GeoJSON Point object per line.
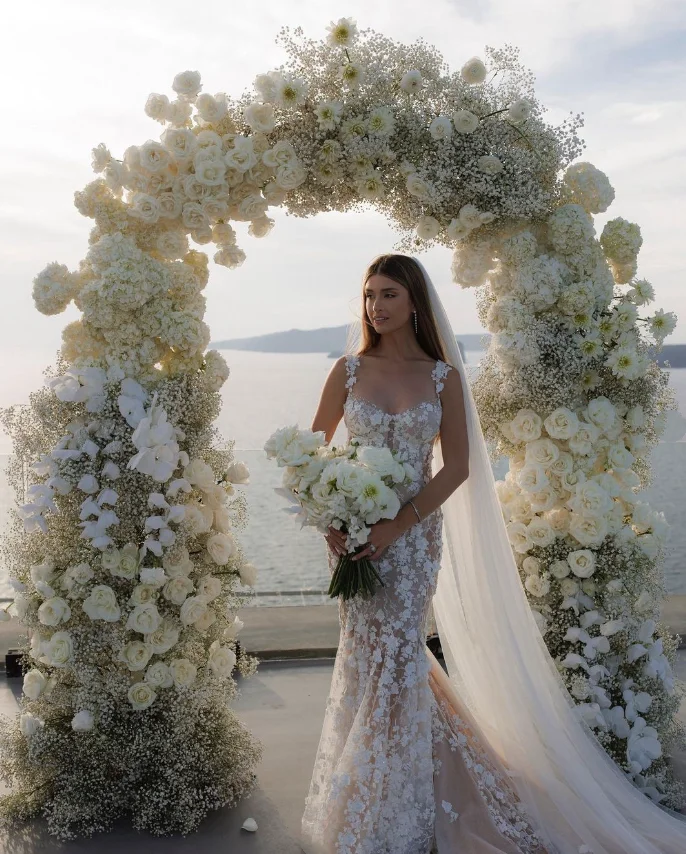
{"type": "Point", "coordinates": [415, 509]}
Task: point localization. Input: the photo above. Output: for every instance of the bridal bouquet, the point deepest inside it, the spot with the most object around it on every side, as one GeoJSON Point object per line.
{"type": "Point", "coordinates": [349, 488]}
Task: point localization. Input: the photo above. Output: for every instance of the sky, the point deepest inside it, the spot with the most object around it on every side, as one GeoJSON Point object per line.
{"type": "Point", "coordinates": [78, 73]}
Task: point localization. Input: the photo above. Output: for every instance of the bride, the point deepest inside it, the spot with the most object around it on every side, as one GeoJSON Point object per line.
{"type": "Point", "coordinates": [491, 758]}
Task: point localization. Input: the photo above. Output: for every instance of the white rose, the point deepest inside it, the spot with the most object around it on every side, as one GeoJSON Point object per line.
{"type": "Point", "coordinates": [441, 128]}
{"type": "Point", "coordinates": [473, 71]}
{"type": "Point", "coordinates": [211, 109]}
{"type": "Point", "coordinates": [559, 569]}
{"type": "Point", "coordinates": [465, 121]}
{"type": "Point", "coordinates": [290, 176]}
{"type": "Point", "coordinates": [164, 638]}
{"type": "Point", "coordinates": [193, 609]}
{"type": "Point", "coordinates": [203, 623]}
{"type": "Point", "coordinates": [209, 587]}
{"type": "Point", "coordinates": [141, 695]}
{"type": "Point", "coordinates": [187, 83]}
{"type": "Point", "coordinates": [519, 111]}
{"type": "Point", "coordinates": [177, 589]}
{"type": "Point", "coordinates": [526, 426]}
{"type": "Point", "coordinates": [260, 117]}
{"type": "Point", "coordinates": [157, 107]}
{"type": "Point", "coordinates": [537, 586]}
{"type": "Point", "coordinates": [542, 452]}
{"type": "Point", "coordinates": [531, 566]}
{"type": "Point", "coordinates": [248, 574]}
{"type": "Point", "coordinates": [198, 517]}
{"type": "Point", "coordinates": [490, 164]}
{"type": "Point", "coordinates": [518, 535]}
{"type": "Point", "coordinates": [411, 81]}
{"type": "Point", "coordinates": [183, 672]}
{"type": "Point", "coordinates": [82, 721]}
{"type": "Point", "coordinates": [457, 230]}
{"type": "Point", "coordinates": [221, 547]}
{"type": "Point", "coordinates": [618, 457]}
{"type": "Point", "coordinates": [590, 499]}
{"type": "Point", "coordinates": [602, 413]}
{"type": "Point", "coordinates": [582, 562]}
{"type": "Point", "coordinates": [158, 675]}
{"type": "Point", "coordinates": [562, 423]}
{"type": "Point", "coordinates": [232, 630]}
{"type": "Point", "coordinates": [54, 611]}
{"type": "Point", "coordinates": [417, 186]}
{"type": "Point", "coordinates": [178, 564]}
{"type": "Point", "coordinates": [29, 724]}
{"type": "Point", "coordinates": [142, 594]}
{"type": "Point", "coordinates": [568, 587]}
{"type": "Point", "coordinates": [540, 532]}
{"type": "Point", "coordinates": [144, 619]}
{"type": "Point", "coordinates": [198, 473]}
{"type": "Point", "coordinates": [532, 478]}
{"type": "Point", "coordinates": [34, 684]}
{"type": "Point", "coordinates": [221, 660]}
{"type": "Point", "coordinates": [59, 649]}
{"type": "Point", "coordinates": [237, 472]}
{"type": "Point", "coordinates": [588, 530]}
{"type": "Point", "coordinates": [135, 654]}
{"type": "Point", "coordinates": [470, 216]}
{"type": "Point", "coordinates": [427, 227]}
{"type": "Point", "coordinates": [101, 604]}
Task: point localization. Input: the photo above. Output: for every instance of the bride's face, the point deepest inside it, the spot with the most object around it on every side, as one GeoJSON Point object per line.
{"type": "Point", "coordinates": [387, 303]}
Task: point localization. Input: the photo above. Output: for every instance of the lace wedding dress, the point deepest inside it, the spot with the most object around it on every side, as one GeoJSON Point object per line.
{"type": "Point", "coordinates": [401, 766]}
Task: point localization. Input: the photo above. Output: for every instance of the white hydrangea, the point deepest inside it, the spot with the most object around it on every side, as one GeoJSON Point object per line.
{"type": "Point", "coordinates": [621, 241]}
{"type": "Point", "coordinates": [589, 187]}
{"type": "Point", "coordinates": [570, 230]}
{"type": "Point", "coordinates": [54, 288]}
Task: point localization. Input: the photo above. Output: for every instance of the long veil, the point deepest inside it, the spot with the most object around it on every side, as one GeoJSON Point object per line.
{"type": "Point", "coordinates": [500, 668]}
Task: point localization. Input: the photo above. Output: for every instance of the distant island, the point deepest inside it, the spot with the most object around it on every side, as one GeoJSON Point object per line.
{"type": "Point", "coordinates": [329, 339]}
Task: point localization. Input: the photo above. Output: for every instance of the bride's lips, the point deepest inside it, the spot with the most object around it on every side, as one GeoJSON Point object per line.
{"type": "Point", "coordinates": [379, 319]}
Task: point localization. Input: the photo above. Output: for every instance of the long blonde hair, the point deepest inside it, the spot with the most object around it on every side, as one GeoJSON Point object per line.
{"type": "Point", "coordinates": [406, 272]}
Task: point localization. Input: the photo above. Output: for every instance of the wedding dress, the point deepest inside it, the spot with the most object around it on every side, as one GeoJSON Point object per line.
{"type": "Point", "coordinates": [400, 766]}
{"type": "Point", "coordinates": [491, 758]}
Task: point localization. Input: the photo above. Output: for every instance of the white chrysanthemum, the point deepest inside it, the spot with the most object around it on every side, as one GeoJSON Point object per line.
{"type": "Point", "coordinates": [428, 227]}
{"type": "Point", "coordinates": [591, 344]}
{"type": "Point", "coordinates": [291, 91]}
{"type": "Point", "coordinates": [352, 74]}
{"type": "Point", "coordinates": [490, 164]}
{"type": "Point", "coordinates": [370, 187]}
{"type": "Point", "coordinates": [260, 117]}
{"type": "Point", "coordinates": [411, 81]}
{"type": "Point", "coordinates": [641, 293]}
{"type": "Point", "coordinates": [465, 121]}
{"type": "Point", "coordinates": [519, 111]}
{"type": "Point", "coordinates": [353, 128]}
{"type": "Point", "coordinates": [381, 121]}
{"type": "Point", "coordinates": [621, 240]}
{"type": "Point", "coordinates": [341, 33]}
{"type": "Point", "coordinates": [623, 362]}
{"type": "Point", "coordinates": [473, 71]}
{"type": "Point", "coordinates": [441, 128]}
{"type": "Point", "coordinates": [589, 187]}
{"type": "Point", "coordinates": [187, 84]}
{"type": "Point", "coordinates": [662, 324]}
{"type": "Point", "coordinates": [328, 114]}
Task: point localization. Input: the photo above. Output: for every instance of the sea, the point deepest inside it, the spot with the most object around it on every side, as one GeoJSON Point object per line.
{"type": "Point", "coordinates": [266, 391]}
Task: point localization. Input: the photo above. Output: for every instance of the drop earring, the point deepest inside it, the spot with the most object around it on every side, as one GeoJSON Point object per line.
{"type": "Point", "coordinates": [415, 322]}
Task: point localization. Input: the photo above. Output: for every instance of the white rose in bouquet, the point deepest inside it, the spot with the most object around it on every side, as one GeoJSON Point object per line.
{"type": "Point", "coordinates": [135, 654]}
{"type": "Point", "coordinates": [164, 638]}
{"type": "Point", "coordinates": [34, 683]}
{"type": "Point", "coordinates": [221, 660]}
{"type": "Point", "coordinates": [59, 650]}
{"type": "Point", "coordinates": [542, 452]}
{"type": "Point", "coordinates": [526, 426]}
{"type": "Point", "coordinates": [582, 562]}
{"type": "Point", "coordinates": [183, 672]}
{"type": "Point", "coordinates": [54, 611]}
{"type": "Point", "coordinates": [193, 609]}
{"type": "Point", "coordinates": [221, 548]}
{"type": "Point", "coordinates": [102, 604]}
{"type": "Point", "coordinates": [291, 446]}
{"type": "Point", "coordinates": [537, 586]}
{"type": "Point", "coordinates": [144, 619]}
{"type": "Point", "coordinates": [562, 423]}
{"type": "Point", "coordinates": [141, 695]}
{"type": "Point", "coordinates": [158, 675]}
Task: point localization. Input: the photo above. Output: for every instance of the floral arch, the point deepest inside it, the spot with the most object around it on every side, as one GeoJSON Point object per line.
{"type": "Point", "coordinates": [123, 552]}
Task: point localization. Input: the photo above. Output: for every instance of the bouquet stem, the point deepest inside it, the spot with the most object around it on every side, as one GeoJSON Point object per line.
{"type": "Point", "coordinates": [354, 577]}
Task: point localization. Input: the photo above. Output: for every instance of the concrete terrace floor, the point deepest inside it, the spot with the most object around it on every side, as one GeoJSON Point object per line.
{"type": "Point", "coordinates": [283, 705]}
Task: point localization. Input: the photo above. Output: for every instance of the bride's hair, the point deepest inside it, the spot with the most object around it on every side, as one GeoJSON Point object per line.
{"type": "Point", "coordinates": [406, 272]}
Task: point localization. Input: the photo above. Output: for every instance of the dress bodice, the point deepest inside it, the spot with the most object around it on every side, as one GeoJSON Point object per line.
{"type": "Point", "coordinates": [411, 433]}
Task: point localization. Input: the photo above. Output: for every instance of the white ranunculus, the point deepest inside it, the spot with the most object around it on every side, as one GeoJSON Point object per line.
{"type": "Point", "coordinates": [144, 619]}
{"type": "Point", "coordinates": [428, 227]}
{"type": "Point", "coordinates": [465, 121]}
{"type": "Point", "coordinates": [135, 654]}
{"type": "Point", "coordinates": [141, 695]}
{"type": "Point", "coordinates": [183, 672]}
{"type": "Point", "coordinates": [59, 650]}
{"type": "Point", "coordinates": [473, 71]}
{"type": "Point", "coordinates": [221, 547]}
{"type": "Point", "coordinates": [82, 721]}
{"type": "Point", "coordinates": [54, 611]}
{"type": "Point", "coordinates": [441, 128]}
{"type": "Point", "coordinates": [221, 660]}
{"type": "Point", "coordinates": [34, 683]}
{"type": "Point", "coordinates": [582, 562]}
{"type": "Point", "coordinates": [158, 676]}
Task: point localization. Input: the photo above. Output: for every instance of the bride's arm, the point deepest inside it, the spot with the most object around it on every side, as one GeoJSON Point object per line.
{"type": "Point", "coordinates": [455, 450]}
{"type": "Point", "coordinates": [330, 409]}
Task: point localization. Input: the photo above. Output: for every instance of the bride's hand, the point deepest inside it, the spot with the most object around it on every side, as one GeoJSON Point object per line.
{"type": "Point", "coordinates": [336, 540]}
{"type": "Point", "coordinates": [381, 535]}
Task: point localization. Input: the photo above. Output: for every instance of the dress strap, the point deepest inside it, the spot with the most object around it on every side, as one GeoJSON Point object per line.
{"type": "Point", "coordinates": [439, 372]}
{"type": "Point", "coordinates": [351, 363]}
